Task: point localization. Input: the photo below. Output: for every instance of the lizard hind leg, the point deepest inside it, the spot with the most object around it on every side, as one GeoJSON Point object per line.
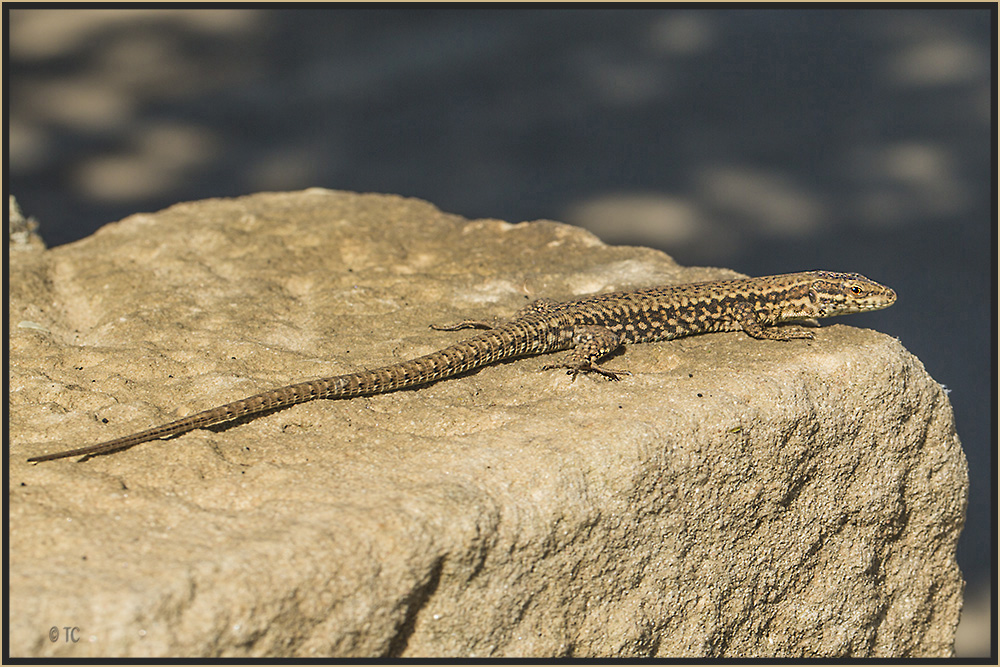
{"type": "Point", "coordinates": [467, 324]}
{"type": "Point", "coordinates": [539, 306]}
{"type": "Point", "coordinates": [590, 343]}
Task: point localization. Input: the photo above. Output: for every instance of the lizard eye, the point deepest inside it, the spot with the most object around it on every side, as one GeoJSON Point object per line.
{"type": "Point", "coordinates": [857, 290]}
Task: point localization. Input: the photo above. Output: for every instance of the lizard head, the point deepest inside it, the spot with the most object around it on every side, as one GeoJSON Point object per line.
{"type": "Point", "coordinates": [833, 294]}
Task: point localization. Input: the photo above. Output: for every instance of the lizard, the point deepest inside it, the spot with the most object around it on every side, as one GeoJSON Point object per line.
{"type": "Point", "coordinates": [590, 328]}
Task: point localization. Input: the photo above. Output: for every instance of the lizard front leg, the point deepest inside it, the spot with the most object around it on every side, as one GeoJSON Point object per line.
{"type": "Point", "coordinates": [751, 324]}
{"type": "Point", "coordinates": [590, 343]}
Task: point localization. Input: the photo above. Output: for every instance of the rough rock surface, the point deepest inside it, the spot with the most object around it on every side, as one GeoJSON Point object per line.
{"type": "Point", "coordinates": [734, 497]}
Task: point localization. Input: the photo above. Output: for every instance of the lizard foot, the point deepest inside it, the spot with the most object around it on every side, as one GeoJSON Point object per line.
{"type": "Point", "coordinates": [586, 367]}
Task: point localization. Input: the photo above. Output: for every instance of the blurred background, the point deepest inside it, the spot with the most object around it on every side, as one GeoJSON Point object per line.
{"type": "Point", "coordinates": [765, 141]}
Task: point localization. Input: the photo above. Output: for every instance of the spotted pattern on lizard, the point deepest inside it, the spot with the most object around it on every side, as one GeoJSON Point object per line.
{"type": "Point", "coordinates": [590, 328]}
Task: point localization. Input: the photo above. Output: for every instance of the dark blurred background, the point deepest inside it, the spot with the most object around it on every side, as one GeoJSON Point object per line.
{"type": "Point", "coordinates": [764, 141]}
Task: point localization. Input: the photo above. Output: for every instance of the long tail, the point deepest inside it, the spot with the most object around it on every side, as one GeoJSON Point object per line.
{"type": "Point", "coordinates": [256, 404]}
{"type": "Point", "coordinates": [504, 342]}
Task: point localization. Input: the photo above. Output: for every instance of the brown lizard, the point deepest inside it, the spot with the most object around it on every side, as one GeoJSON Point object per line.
{"type": "Point", "coordinates": [591, 328]}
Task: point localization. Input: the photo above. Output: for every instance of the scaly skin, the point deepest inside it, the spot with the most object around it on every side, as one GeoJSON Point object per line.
{"type": "Point", "coordinates": [591, 328]}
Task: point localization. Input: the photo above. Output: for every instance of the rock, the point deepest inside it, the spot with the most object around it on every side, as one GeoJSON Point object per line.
{"type": "Point", "coordinates": [22, 232]}
{"type": "Point", "coordinates": [734, 497]}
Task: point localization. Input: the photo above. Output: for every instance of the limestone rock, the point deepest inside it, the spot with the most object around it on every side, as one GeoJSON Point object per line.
{"type": "Point", "coordinates": [734, 497]}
